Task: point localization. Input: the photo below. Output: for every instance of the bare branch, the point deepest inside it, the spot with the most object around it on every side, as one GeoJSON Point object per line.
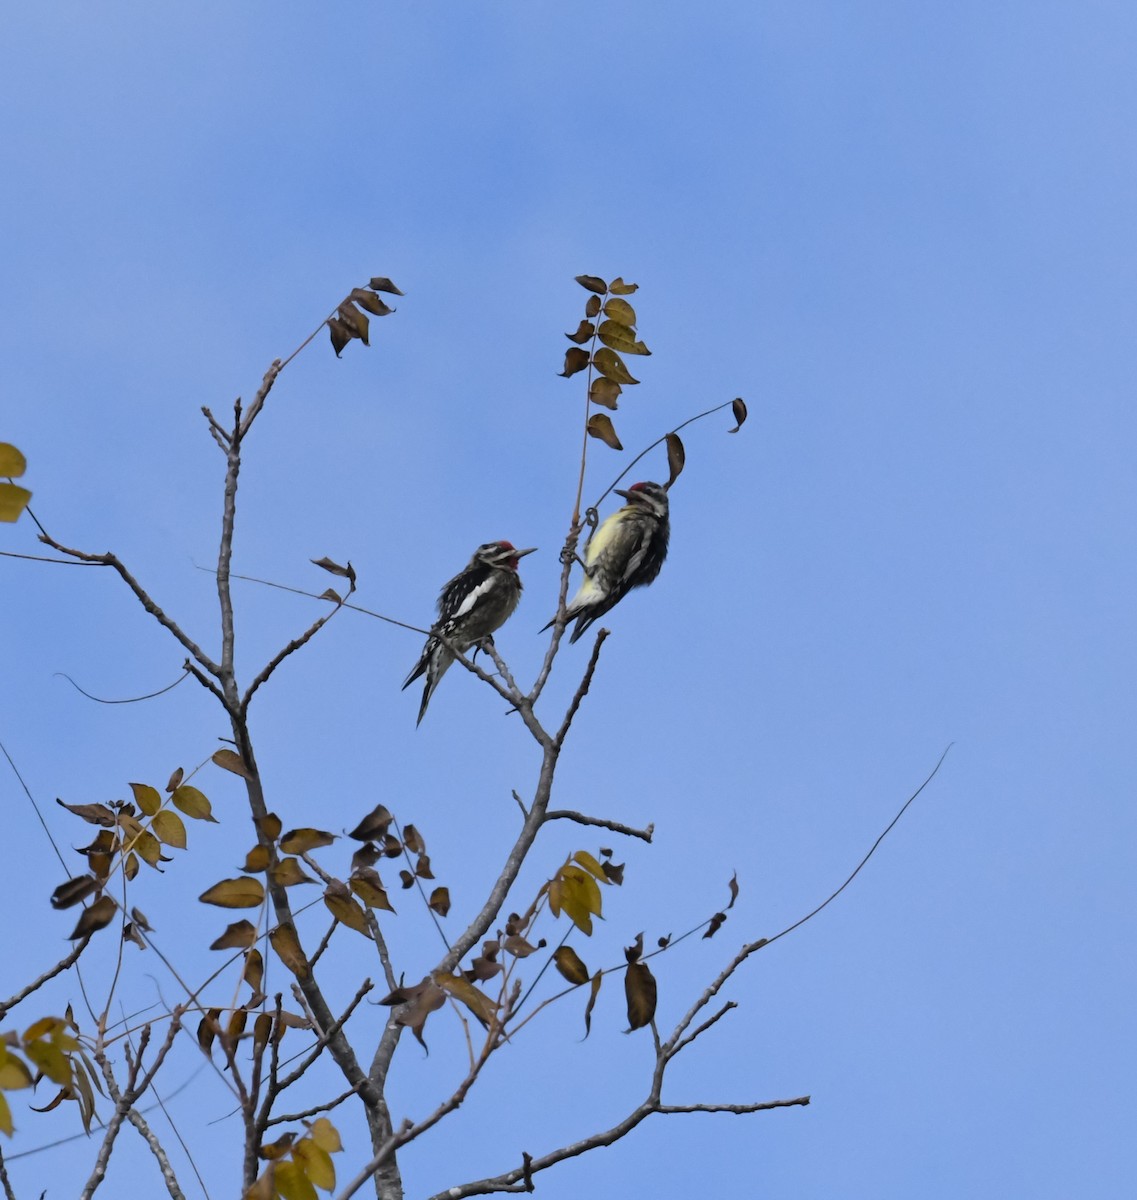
{"type": "Point", "coordinates": [220, 435]}
{"type": "Point", "coordinates": [567, 814]}
{"type": "Point", "coordinates": [8, 1193]}
{"type": "Point", "coordinates": [158, 1150]}
{"type": "Point", "coordinates": [291, 648]}
{"type": "Point", "coordinates": [61, 966]}
{"type": "Point", "coordinates": [143, 597]}
{"type": "Point", "coordinates": [582, 690]}
{"type": "Point", "coordinates": [761, 1106]}
{"type": "Point", "coordinates": [684, 1042]}
{"type": "Point", "coordinates": [242, 425]}
{"type": "Point", "coordinates": [311, 1112]}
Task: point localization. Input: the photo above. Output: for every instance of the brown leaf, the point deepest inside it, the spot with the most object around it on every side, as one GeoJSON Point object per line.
{"type": "Point", "coordinates": [340, 334]}
{"type": "Point", "coordinates": [332, 595]}
{"type": "Point", "coordinates": [614, 873]}
{"type": "Point", "coordinates": [131, 934]}
{"type": "Point", "coordinates": [236, 1024]}
{"type": "Point", "coordinates": [406, 878]}
{"type": "Point", "coordinates": [422, 867]}
{"type": "Point", "coordinates": [738, 406]}
{"type": "Point", "coordinates": [621, 337]}
{"type": "Point", "coordinates": [238, 936]}
{"type": "Point", "coordinates": [413, 840]}
{"type": "Point", "coordinates": [576, 360]}
{"type": "Point", "coordinates": [230, 760]}
{"type": "Point", "coordinates": [346, 910]}
{"type": "Point", "coordinates": [373, 826]}
{"type": "Point", "coordinates": [592, 307]}
{"type": "Point", "coordinates": [632, 953]}
{"type": "Point", "coordinates": [288, 873]}
{"type": "Point", "coordinates": [175, 779]}
{"type": "Point", "coordinates": [569, 963]}
{"type": "Point", "coordinates": [482, 968]}
{"type": "Point", "coordinates": [190, 801]}
{"type": "Point", "coordinates": [242, 892]}
{"type": "Point", "coordinates": [604, 392]}
{"type": "Point", "coordinates": [392, 847]}
{"type": "Point", "coordinates": [98, 916]}
{"type": "Point", "coordinates": [620, 288]}
{"type": "Point", "coordinates": [334, 568]}
{"type": "Point", "coordinates": [208, 1028]}
{"type": "Point", "coordinates": [367, 885]}
{"type": "Point", "coordinates": [465, 993]}
{"type": "Point", "coordinates": [594, 991]}
{"type": "Point", "coordinates": [147, 798]}
{"type": "Point", "coordinates": [371, 302]}
{"type": "Point", "coordinates": [584, 332]}
{"type": "Point", "coordinates": [733, 885]}
{"type": "Point", "coordinates": [287, 946]}
{"type": "Point", "coordinates": [380, 283]}
{"type": "Point", "coordinates": [254, 970]}
{"type": "Point", "coordinates": [74, 891]}
{"type": "Point", "coordinates": [262, 1031]}
{"type": "Point", "coordinates": [715, 925]}
{"type": "Point", "coordinates": [518, 946]}
{"type": "Point", "coordinates": [640, 991]}
{"type": "Point", "coordinates": [299, 841]}
{"type": "Point", "coordinates": [93, 814]}
{"type": "Point", "coordinates": [676, 458]}
{"type": "Point", "coordinates": [600, 426]}
{"type": "Point", "coordinates": [611, 366]}
{"type": "Point", "coordinates": [139, 918]}
{"type": "Point", "coordinates": [130, 867]}
{"type": "Point", "coordinates": [593, 283]}
{"type": "Point", "coordinates": [440, 901]}
{"type": "Point", "coordinates": [367, 855]}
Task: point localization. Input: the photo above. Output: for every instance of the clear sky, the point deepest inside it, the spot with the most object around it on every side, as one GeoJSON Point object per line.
{"type": "Point", "coordinates": [905, 233]}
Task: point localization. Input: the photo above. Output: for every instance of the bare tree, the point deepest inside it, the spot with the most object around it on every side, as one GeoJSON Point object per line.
{"type": "Point", "coordinates": [265, 1047]}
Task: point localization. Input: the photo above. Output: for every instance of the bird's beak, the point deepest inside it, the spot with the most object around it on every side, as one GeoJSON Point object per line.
{"type": "Point", "coordinates": [523, 553]}
{"type": "Point", "coordinates": [621, 492]}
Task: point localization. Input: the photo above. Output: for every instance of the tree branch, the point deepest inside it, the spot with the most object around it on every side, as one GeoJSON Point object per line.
{"type": "Point", "coordinates": [567, 814]}
{"type": "Point", "coordinates": [61, 966]}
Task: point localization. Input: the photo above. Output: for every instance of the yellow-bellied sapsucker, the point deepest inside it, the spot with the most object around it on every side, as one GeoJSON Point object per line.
{"type": "Point", "coordinates": [626, 552]}
{"type": "Point", "coordinates": [478, 600]}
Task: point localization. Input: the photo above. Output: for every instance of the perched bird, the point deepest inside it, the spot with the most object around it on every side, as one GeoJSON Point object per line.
{"type": "Point", "coordinates": [626, 552]}
{"type": "Point", "coordinates": [478, 600]}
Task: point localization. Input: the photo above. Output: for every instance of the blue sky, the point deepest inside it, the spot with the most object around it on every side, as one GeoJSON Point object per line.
{"type": "Point", "coordinates": [905, 234]}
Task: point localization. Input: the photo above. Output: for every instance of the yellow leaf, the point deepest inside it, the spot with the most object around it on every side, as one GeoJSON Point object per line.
{"type": "Point", "coordinates": [292, 1183]}
{"type": "Point", "coordinates": [13, 500]}
{"type": "Point", "coordinates": [14, 1073]}
{"type": "Point", "coordinates": [146, 798]}
{"type": "Point", "coordinates": [235, 893]}
{"type": "Point", "coordinates": [620, 310]}
{"type": "Point", "coordinates": [326, 1136]}
{"type": "Point", "coordinates": [611, 366]}
{"type": "Point", "coordinates": [317, 1163]}
{"type": "Point", "coordinates": [12, 462]}
{"type": "Point", "coordinates": [464, 991]}
{"type": "Point", "coordinates": [170, 829]}
{"type": "Point", "coordinates": [6, 1125]}
{"type": "Point", "coordinates": [192, 803]}
{"type": "Point", "coordinates": [590, 864]}
{"type": "Point", "coordinates": [148, 847]}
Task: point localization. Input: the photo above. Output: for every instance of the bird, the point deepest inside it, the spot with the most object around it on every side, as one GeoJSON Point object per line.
{"type": "Point", "coordinates": [471, 606]}
{"type": "Point", "coordinates": [625, 552]}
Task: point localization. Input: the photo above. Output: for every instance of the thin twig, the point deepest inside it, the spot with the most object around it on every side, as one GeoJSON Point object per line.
{"type": "Point", "coordinates": [566, 814]}
{"type": "Point", "coordinates": [582, 690]}
{"type": "Point", "coordinates": [761, 1106]}
{"type": "Point", "coordinates": [130, 699]}
{"type": "Point", "coordinates": [61, 966]}
{"type": "Point", "coordinates": [8, 1193]}
{"type": "Point", "coordinates": [311, 1112]}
